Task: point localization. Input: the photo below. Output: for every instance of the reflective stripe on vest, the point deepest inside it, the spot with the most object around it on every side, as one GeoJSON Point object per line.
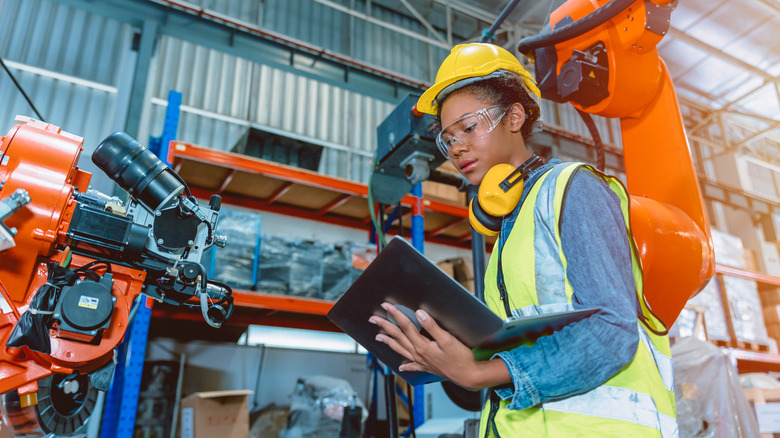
{"type": "Point", "coordinates": [663, 362]}
{"type": "Point", "coordinates": [539, 285]}
{"type": "Point", "coordinates": [611, 402]}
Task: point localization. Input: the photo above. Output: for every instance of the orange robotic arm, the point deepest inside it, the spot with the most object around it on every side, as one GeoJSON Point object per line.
{"type": "Point", "coordinates": [601, 56]}
{"type": "Point", "coordinates": [72, 260]}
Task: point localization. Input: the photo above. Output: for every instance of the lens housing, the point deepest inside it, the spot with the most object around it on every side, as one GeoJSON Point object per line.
{"type": "Point", "coordinates": [137, 170]}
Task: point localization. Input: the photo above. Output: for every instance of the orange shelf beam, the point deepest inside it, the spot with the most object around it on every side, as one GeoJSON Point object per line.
{"type": "Point", "coordinates": [749, 275]}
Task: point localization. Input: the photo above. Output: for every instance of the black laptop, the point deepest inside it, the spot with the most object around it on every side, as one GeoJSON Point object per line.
{"type": "Point", "coordinates": [402, 276]}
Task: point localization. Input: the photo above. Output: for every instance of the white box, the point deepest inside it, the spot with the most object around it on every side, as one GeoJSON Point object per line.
{"type": "Point", "coordinates": [770, 257]}
{"type": "Point", "coordinates": [768, 417]}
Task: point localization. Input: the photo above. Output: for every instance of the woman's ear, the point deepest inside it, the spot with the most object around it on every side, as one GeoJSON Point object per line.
{"type": "Point", "coordinates": [516, 117]}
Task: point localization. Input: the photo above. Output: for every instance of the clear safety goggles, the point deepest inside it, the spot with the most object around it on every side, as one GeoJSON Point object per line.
{"type": "Point", "coordinates": [469, 128]}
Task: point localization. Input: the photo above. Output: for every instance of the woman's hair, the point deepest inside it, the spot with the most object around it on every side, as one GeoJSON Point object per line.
{"type": "Point", "coordinates": [504, 91]}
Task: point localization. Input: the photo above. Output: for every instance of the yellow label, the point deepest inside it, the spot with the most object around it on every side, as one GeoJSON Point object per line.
{"type": "Point", "coordinates": [88, 302]}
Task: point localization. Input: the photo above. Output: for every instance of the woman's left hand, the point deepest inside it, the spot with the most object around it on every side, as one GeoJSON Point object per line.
{"type": "Point", "coordinates": [444, 355]}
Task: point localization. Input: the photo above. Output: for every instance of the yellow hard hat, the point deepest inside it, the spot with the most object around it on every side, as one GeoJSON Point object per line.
{"type": "Point", "coordinates": [475, 60]}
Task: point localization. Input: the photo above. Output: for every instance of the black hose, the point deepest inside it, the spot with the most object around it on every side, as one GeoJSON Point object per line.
{"type": "Point", "coordinates": [575, 29]}
{"type": "Point", "coordinates": [21, 90]}
{"type": "Point", "coordinates": [597, 143]}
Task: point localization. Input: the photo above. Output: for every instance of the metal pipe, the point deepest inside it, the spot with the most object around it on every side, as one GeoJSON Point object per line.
{"type": "Point", "coordinates": [93, 424]}
{"type": "Point", "coordinates": [477, 254]}
{"type": "Point", "coordinates": [392, 413]}
{"type": "Point", "coordinates": [488, 35]}
{"type": "Point", "coordinates": [448, 178]}
{"type": "Point", "coordinates": [177, 400]}
{"type": "Point", "coordinates": [478, 258]}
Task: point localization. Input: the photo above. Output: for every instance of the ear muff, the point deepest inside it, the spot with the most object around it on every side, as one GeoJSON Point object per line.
{"type": "Point", "coordinates": [481, 221]}
{"type": "Point", "coordinates": [499, 194]}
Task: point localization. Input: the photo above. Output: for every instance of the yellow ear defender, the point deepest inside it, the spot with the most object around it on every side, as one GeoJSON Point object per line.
{"type": "Point", "coordinates": [498, 195]}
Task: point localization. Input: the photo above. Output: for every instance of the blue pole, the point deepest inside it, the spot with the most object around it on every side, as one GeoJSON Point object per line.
{"type": "Point", "coordinates": [114, 395]}
{"type": "Point", "coordinates": [418, 241]}
{"type": "Point", "coordinates": [136, 352]}
{"type": "Point", "coordinates": [256, 261]}
{"type": "Point", "coordinates": [126, 385]}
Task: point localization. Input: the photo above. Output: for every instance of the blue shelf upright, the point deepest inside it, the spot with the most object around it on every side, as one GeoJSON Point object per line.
{"type": "Point", "coordinates": [121, 406]}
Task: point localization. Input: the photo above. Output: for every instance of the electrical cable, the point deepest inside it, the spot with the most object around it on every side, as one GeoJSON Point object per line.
{"type": "Point", "coordinates": [576, 28]}
{"type": "Point", "coordinates": [393, 216]}
{"type": "Point", "coordinates": [380, 236]}
{"type": "Point", "coordinates": [92, 264]}
{"type": "Point", "coordinates": [381, 211]}
{"type": "Point", "coordinates": [594, 133]}
{"type": "Point", "coordinates": [19, 87]}
{"type": "Point", "coordinates": [134, 309]}
{"type": "Point", "coordinates": [412, 428]}
{"type": "Point", "coordinates": [400, 220]}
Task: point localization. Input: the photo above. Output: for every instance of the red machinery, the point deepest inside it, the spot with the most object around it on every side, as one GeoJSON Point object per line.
{"type": "Point", "coordinates": [81, 258]}
{"type": "Point", "coordinates": [601, 56]}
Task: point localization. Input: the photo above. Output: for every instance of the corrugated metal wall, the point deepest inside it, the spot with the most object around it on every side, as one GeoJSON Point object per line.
{"type": "Point", "coordinates": [224, 95]}
{"type": "Point", "coordinates": [74, 66]}
{"type": "Point", "coordinates": [340, 32]}
{"type": "Point", "coordinates": [67, 61]}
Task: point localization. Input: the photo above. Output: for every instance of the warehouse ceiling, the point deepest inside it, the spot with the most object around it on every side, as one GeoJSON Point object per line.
{"type": "Point", "coordinates": [723, 55]}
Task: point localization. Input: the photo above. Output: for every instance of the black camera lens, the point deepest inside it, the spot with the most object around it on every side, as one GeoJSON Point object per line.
{"type": "Point", "coordinates": [137, 170]}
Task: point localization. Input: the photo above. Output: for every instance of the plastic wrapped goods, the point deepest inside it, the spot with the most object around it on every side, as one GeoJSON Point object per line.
{"type": "Point", "coordinates": [746, 311]}
{"type": "Point", "coordinates": [274, 266]}
{"type": "Point", "coordinates": [336, 270]}
{"type": "Point", "coordinates": [728, 249]}
{"type": "Point", "coordinates": [306, 268]}
{"type": "Point", "coordinates": [317, 407]}
{"type": "Point", "coordinates": [709, 298]}
{"type": "Point", "coordinates": [233, 263]}
{"type": "Point", "coordinates": [709, 396]}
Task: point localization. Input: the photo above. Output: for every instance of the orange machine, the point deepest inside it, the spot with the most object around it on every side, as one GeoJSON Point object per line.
{"type": "Point", "coordinates": [73, 260]}
{"type": "Point", "coordinates": [601, 56]}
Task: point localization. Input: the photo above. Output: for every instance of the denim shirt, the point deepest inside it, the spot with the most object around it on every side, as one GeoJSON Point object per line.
{"type": "Point", "coordinates": [587, 353]}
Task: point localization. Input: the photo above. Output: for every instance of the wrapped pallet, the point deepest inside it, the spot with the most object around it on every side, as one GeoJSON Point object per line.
{"type": "Point", "coordinates": [233, 264]}
{"type": "Point", "coordinates": [709, 396]}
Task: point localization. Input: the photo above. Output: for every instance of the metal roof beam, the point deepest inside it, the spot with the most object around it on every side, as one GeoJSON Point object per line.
{"type": "Point", "coordinates": [740, 98]}
{"type": "Point", "coordinates": [408, 32]}
{"type": "Point", "coordinates": [532, 10]}
{"type": "Point", "coordinates": [470, 10]}
{"type": "Point", "coordinates": [424, 22]}
{"type": "Point", "coordinates": [682, 36]}
{"type": "Point", "coordinates": [712, 112]}
{"type": "Point", "coordinates": [758, 135]}
{"type": "Point", "coordinates": [772, 5]}
{"type": "Point", "coordinates": [246, 40]}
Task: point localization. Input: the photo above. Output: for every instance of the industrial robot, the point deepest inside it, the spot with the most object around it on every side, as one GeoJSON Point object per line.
{"type": "Point", "coordinates": [601, 56]}
{"type": "Point", "coordinates": [73, 261]}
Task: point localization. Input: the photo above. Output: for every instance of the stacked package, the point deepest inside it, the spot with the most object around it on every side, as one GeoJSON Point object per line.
{"type": "Point", "coordinates": [290, 266]}
{"type": "Point", "coordinates": [284, 265]}
{"type": "Point", "coordinates": [233, 264]}
{"type": "Point", "coordinates": [744, 301]}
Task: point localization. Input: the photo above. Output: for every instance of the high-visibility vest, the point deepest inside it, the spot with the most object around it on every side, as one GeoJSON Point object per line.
{"type": "Point", "coordinates": [636, 402]}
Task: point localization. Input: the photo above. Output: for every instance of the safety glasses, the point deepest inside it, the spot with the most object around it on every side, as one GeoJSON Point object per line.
{"type": "Point", "coordinates": [469, 128]}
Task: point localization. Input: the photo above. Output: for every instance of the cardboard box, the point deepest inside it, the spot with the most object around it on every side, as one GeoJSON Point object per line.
{"type": "Point", "coordinates": [768, 415]}
{"type": "Point", "coordinates": [447, 267]}
{"type": "Point", "coordinates": [223, 414]}
{"type": "Point", "coordinates": [770, 258]}
{"type": "Point", "coordinates": [443, 193]}
{"type": "Point", "coordinates": [750, 260]}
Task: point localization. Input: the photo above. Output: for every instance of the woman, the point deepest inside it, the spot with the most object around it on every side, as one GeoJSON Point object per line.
{"type": "Point", "coordinates": [566, 245]}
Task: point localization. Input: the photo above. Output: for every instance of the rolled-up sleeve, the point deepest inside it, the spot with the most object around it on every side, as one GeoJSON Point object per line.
{"type": "Point", "coordinates": [587, 353]}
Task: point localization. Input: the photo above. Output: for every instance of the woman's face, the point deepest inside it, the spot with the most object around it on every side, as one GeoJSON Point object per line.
{"type": "Point", "coordinates": [474, 159]}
